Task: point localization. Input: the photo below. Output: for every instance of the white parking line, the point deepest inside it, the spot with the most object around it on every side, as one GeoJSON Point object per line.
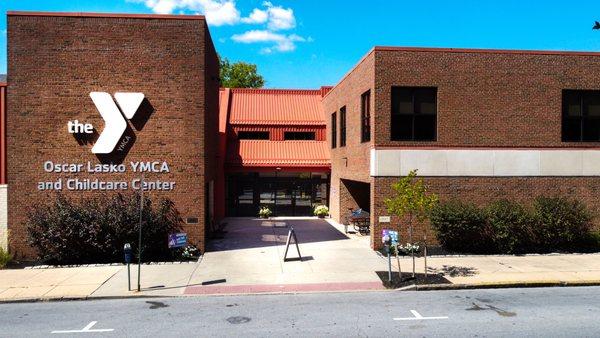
{"type": "Point", "coordinates": [86, 329]}
{"type": "Point", "coordinates": [417, 316]}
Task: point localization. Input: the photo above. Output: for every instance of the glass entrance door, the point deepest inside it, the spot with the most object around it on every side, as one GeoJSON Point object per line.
{"type": "Point", "coordinates": [285, 196]}
{"type": "Point", "coordinates": [302, 199]}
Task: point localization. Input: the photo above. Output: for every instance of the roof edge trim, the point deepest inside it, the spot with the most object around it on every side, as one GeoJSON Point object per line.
{"type": "Point", "coordinates": [106, 15]}
{"type": "Point", "coordinates": [276, 91]}
{"type": "Point", "coordinates": [484, 51]}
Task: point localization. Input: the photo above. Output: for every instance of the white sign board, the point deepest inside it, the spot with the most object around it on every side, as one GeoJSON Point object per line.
{"type": "Point", "coordinates": [384, 219]}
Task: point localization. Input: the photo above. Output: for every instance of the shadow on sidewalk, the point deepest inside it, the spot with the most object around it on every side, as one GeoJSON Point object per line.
{"type": "Point", "coordinates": [247, 233]}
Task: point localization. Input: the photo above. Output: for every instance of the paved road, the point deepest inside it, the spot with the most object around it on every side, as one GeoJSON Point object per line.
{"type": "Point", "coordinates": [543, 312]}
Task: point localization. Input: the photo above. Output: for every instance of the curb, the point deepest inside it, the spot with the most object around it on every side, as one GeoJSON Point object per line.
{"type": "Point", "coordinates": [499, 285]}
{"type": "Point", "coordinates": [72, 299]}
{"type": "Point", "coordinates": [84, 298]}
{"type": "Point", "coordinates": [424, 287]}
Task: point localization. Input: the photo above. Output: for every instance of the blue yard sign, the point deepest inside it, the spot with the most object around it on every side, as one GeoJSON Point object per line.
{"type": "Point", "coordinates": [177, 240]}
{"type": "Point", "coordinates": [393, 235]}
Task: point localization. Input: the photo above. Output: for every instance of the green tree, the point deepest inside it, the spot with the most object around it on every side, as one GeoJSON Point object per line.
{"type": "Point", "coordinates": [240, 75]}
{"type": "Point", "coordinates": [411, 201]}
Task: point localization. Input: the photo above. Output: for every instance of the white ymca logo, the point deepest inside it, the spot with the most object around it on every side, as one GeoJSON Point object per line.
{"type": "Point", "coordinates": [114, 123]}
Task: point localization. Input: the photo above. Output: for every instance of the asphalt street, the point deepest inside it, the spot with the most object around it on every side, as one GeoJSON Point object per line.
{"type": "Point", "coordinates": [535, 312]}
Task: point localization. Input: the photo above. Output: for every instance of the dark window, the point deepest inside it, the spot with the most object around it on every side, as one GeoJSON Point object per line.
{"type": "Point", "coordinates": [299, 135]}
{"type": "Point", "coordinates": [333, 130]}
{"type": "Point", "coordinates": [253, 135]}
{"type": "Point", "coordinates": [414, 114]}
{"type": "Point", "coordinates": [365, 117]}
{"type": "Point", "coordinates": [343, 126]}
{"type": "Point", "coordinates": [581, 116]}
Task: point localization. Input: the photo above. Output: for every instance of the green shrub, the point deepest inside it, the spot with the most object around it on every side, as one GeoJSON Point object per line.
{"type": "Point", "coordinates": [95, 230]}
{"type": "Point", "coordinates": [562, 223]}
{"type": "Point", "coordinates": [512, 227]}
{"type": "Point", "coordinates": [5, 258]}
{"type": "Point", "coordinates": [591, 242]}
{"type": "Point", "coordinates": [461, 227]}
{"type": "Point", "coordinates": [552, 224]}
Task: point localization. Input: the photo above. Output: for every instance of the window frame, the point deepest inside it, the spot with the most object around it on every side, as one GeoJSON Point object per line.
{"type": "Point", "coordinates": [342, 126]}
{"type": "Point", "coordinates": [414, 90]}
{"type": "Point", "coordinates": [582, 119]}
{"type": "Point", "coordinates": [295, 132]}
{"type": "Point", "coordinates": [365, 117]}
{"type": "Point", "coordinates": [262, 132]}
{"type": "Point", "coordinates": [333, 130]}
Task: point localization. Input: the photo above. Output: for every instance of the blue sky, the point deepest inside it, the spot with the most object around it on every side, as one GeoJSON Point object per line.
{"type": "Point", "coordinates": [309, 43]}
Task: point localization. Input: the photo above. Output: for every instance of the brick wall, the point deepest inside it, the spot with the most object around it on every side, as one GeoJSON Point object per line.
{"type": "Point", "coordinates": [54, 62]}
{"type": "Point", "coordinates": [352, 161]}
{"type": "Point", "coordinates": [486, 99]}
{"type": "Point", "coordinates": [483, 190]}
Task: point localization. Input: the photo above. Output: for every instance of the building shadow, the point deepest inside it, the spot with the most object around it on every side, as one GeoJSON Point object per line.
{"type": "Point", "coordinates": [142, 115]}
{"type": "Point", "coordinates": [454, 271]}
{"type": "Point", "coordinates": [247, 233]}
{"type": "Point", "coordinates": [86, 139]}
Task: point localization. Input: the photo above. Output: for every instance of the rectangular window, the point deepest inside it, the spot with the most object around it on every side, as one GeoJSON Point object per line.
{"type": "Point", "coordinates": [253, 135]}
{"type": "Point", "coordinates": [365, 117]}
{"type": "Point", "coordinates": [343, 126]}
{"type": "Point", "coordinates": [299, 135]}
{"type": "Point", "coordinates": [414, 114]}
{"type": "Point", "coordinates": [333, 130]}
{"type": "Point", "coordinates": [581, 116]}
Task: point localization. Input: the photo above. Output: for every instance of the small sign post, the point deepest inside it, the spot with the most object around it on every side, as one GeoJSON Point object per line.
{"type": "Point", "coordinates": [291, 234]}
{"type": "Point", "coordinates": [139, 287]}
{"type": "Point", "coordinates": [390, 239]}
{"type": "Point", "coordinates": [177, 240]}
{"type": "Point", "coordinates": [128, 256]}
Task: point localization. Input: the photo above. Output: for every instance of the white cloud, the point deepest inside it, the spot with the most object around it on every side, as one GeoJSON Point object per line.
{"type": "Point", "coordinates": [280, 18]}
{"type": "Point", "coordinates": [217, 12]}
{"type": "Point", "coordinates": [276, 17]}
{"type": "Point", "coordinates": [257, 16]}
{"type": "Point", "coordinates": [272, 19]}
{"type": "Point", "coordinates": [279, 42]}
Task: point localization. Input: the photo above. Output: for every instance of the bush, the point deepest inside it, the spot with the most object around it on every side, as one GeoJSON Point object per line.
{"type": "Point", "coordinates": [512, 227]}
{"type": "Point", "coordinates": [5, 258]}
{"type": "Point", "coordinates": [562, 223]}
{"type": "Point", "coordinates": [552, 224]}
{"type": "Point", "coordinates": [461, 227]}
{"type": "Point", "coordinates": [95, 230]}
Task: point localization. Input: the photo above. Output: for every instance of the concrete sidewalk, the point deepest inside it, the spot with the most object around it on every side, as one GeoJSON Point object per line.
{"type": "Point", "coordinates": [249, 260]}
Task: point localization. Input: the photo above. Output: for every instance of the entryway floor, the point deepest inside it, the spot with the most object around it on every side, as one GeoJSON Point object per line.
{"type": "Point", "coordinates": [252, 251]}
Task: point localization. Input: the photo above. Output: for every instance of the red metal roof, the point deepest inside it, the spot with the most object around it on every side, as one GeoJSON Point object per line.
{"type": "Point", "coordinates": [267, 153]}
{"type": "Point", "coordinates": [275, 107]}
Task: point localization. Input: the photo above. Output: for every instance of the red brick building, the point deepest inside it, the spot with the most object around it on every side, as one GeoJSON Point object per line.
{"type": "Point", "coordinates": [477, 124]}
{"type": "Point", "coordinates": [55, 62]}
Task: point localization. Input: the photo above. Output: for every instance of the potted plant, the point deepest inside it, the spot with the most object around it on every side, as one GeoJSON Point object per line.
{"type": "Point", "coordinates": [409, 248]}
{"type": "Point", "coordinates": [321, 211]}
{"type": "Point", "coordinates": [264, 212]}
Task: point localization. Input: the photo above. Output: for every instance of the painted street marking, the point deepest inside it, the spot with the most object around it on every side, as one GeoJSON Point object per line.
{"type": "Point", "coordinates": [86, 329]}
{"type": "Point", "coordinates": [417, 316]}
